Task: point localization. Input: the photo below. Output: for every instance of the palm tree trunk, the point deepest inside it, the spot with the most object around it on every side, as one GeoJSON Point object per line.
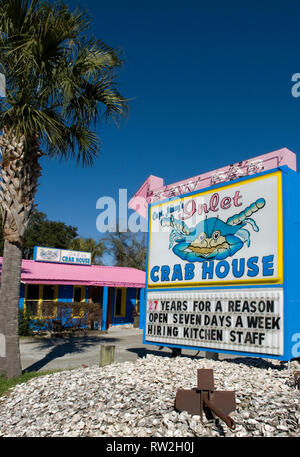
{"type": "Point", "coordinates": [9, 304]}
{"type": "Point", "coordinates": [20, 171]}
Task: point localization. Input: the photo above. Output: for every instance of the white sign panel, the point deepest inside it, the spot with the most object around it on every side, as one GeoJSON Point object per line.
{"type": "Point", "coordinates": [77, 257]}
{"type": "Point", "coordinates": [248, 320]}
{"type": "Point", "coordinates": [47, 254]}
{"type": "Point", "coordinates": [62, 256]}
{"type": "Point", "coordinates": [227, 235]}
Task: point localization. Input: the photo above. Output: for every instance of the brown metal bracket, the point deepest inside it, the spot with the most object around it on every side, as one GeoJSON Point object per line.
{"type": "Point", "coordinates": [194, 401]}
{"type": "Point", "coordinates": [297, 379]}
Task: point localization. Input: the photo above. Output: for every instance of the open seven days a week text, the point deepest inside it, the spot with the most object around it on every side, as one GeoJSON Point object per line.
{"type": "Point", "coordinates": [180, 324]}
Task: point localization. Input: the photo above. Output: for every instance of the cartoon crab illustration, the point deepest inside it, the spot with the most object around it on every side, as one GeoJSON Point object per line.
{"type": "Point", "coordinates": [212, 238]}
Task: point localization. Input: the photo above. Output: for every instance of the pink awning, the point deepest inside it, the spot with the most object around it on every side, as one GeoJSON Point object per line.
{"type": "Point", "coordinates": [86, 275]}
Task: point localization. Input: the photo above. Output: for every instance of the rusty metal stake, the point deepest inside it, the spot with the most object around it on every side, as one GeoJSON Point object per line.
{"type": "Point", "coordinates": [297, 379]}
{"type": "Point", "coordinates": [194, 401]}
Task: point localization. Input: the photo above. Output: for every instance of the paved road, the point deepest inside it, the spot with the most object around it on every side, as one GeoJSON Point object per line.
{"type": "Point", "coordinates": [59, 353]}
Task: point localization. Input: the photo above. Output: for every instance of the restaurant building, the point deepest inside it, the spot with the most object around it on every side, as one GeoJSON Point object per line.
{"type": "Point", "coordinates": [119, 291]}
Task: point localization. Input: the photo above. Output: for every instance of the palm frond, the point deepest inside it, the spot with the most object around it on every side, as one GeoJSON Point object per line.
{"type": "Point", "coordinates": [60, 81]}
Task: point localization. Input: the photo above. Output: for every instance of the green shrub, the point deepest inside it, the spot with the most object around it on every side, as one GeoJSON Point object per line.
{"type": "Point", "coordinates": [24, 324]}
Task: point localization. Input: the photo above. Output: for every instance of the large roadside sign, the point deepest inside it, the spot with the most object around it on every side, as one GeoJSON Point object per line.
{"type": "Point", "coordinates": [221, 268]}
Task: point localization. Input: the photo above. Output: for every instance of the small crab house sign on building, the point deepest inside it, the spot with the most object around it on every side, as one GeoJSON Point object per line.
{"type": "Point", "coordinates": [222, 271]}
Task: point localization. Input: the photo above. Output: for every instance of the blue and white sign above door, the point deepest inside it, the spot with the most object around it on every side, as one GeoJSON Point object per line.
{"type": "Point", "coordinates": [45, 254]}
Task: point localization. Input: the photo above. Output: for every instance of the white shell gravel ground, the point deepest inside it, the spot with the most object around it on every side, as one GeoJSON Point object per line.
{"type": "Point", "coordinates": [137, 399]}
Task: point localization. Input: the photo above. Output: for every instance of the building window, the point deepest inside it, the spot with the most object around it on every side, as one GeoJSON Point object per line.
{"type": "Point", "coordinates": [78, 297]}
{"type": "Point", "coordinates": [39, 300]}
{"type": "Point", "coordinates": [78, 294]}
{"type": "Point", "coordinates": [32, 308]}
{"type": "Point", "coordinates": [33, 292]}
{"type": "Point", "coordinates": [120, 302]}
{"type": "Point", "coordinates": [96, 294]}
{"type": "Point", "coordinates": [32, 296]}
{"type": "Point", "coordinates": [49, 295]}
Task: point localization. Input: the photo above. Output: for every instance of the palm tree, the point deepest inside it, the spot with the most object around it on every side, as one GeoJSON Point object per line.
{"type": "Point", "coordinates": [60, 83]}
{"type": "Point", "coordinates": [88, 245]}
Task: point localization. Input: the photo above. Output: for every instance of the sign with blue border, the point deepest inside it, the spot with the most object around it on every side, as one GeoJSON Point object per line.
{"type": "Point", "coordinates": [215, 236]}
{"type": "Point", "coordinates": [221, 268]}
{"type": "Point", "coordinates": [45, 254]}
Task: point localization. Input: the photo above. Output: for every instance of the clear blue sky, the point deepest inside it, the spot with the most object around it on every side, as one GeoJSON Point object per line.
{"type": "Point", "coordinates": [210, 83]}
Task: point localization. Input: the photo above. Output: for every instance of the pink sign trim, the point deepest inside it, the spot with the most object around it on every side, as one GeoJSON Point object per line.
{"type": "Point", "coordinates": [154, 190]}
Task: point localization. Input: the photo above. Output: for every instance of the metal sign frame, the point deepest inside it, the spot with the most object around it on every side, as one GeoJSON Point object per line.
{"type": "Point", "coordinates": [287, 281]}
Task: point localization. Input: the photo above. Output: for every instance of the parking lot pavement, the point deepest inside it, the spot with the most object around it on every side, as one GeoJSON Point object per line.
{"type": "Point", "coordinates": [74, 351]}
{"type": "Point", "coordinates": [40, 354]}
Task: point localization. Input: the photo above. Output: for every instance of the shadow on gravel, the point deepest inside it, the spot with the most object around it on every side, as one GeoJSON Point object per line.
{"type": "Point", "coordinates": [62, 346]}
{"type": "Point", "coordinates": [258, 363]}
{"type": "Point", "coordinates": [249, 361]}
{"type": "Point", "coordinates": [164, 352]}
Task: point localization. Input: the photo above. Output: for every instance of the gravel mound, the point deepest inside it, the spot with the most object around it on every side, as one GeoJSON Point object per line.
{"type": "Point", "coordinates": [137, 399]}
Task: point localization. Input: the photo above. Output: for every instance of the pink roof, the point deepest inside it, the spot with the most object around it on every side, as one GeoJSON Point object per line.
{"type": "Point", "coordinates": [90, 275]}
